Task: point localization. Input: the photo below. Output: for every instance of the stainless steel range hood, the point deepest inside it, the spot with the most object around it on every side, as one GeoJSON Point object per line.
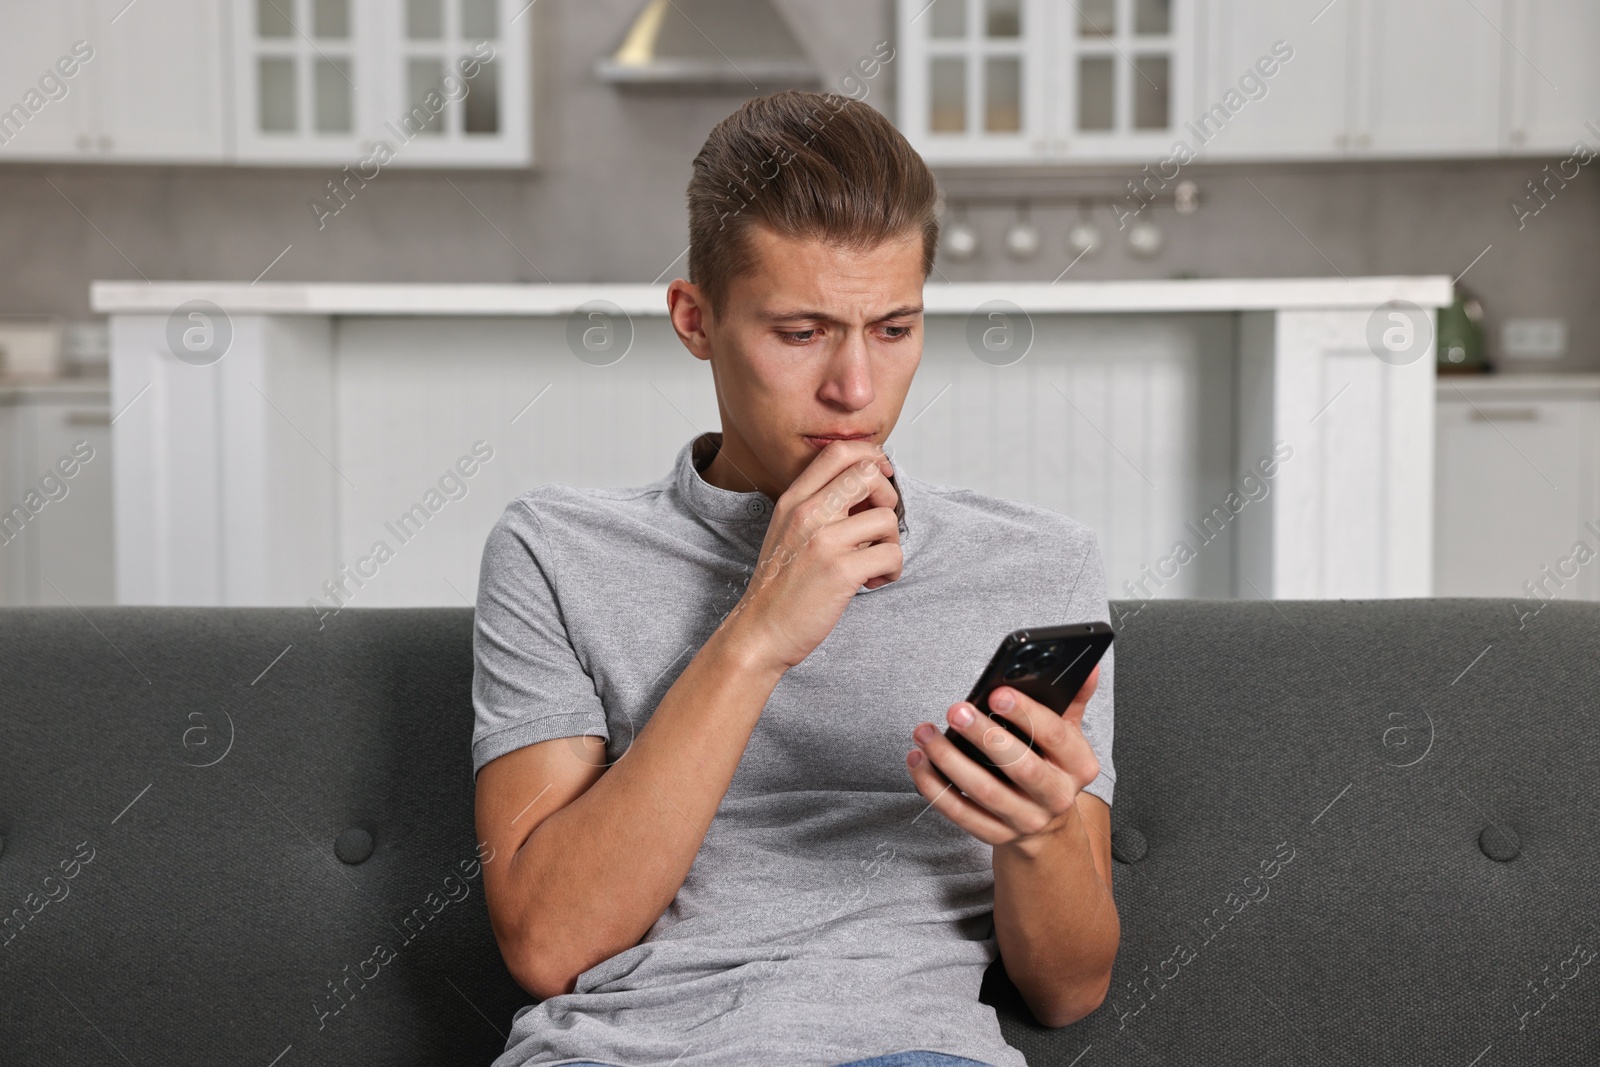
{"type": "Point", "coordinates": [710, 43]}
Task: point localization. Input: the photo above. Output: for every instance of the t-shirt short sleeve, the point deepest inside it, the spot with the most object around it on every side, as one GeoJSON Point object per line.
{"type": "Point", "coordinates": [528, 684]}
{"type": "Point", "coordinates": [1086, 602]}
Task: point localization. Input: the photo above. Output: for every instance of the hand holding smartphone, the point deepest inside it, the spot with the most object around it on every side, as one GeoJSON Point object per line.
{"type": "Point", "coordinates": [1048, 663]}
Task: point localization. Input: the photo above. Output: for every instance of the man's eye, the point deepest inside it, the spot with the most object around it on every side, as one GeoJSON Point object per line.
{"type": "Point", "coordinates": [905, 331]}
{"type": "Point", "coordinates": [800, 336]}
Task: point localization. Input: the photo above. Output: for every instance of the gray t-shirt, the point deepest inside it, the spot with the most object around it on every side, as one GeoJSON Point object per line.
{"type": "Point", "coordinates": [830, 915]}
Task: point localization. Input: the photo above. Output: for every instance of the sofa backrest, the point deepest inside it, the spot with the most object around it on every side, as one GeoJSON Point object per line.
{"type": "Point", "coordinates": [1359, 831]}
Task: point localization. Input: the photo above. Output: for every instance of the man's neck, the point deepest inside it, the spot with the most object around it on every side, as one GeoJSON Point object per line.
{"type": "Point", "coordinates": [737, 470]}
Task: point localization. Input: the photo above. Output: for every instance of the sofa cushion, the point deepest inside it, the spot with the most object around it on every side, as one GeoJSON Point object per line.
{"type": "Point", "coordinates": [1348, 831]}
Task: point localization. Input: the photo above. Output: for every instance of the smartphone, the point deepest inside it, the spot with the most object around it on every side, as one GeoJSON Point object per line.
{"type": "Point", "coordinates": [1048, 663]}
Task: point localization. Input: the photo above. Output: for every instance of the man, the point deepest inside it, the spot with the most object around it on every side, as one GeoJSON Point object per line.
{"type": "Point", "coordinates": [703, 758]}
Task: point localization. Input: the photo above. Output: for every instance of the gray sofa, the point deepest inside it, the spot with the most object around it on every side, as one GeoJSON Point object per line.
{"type": "Point", "coordinates": [1347, 832]}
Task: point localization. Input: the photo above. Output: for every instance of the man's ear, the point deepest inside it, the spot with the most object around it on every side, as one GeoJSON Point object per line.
{"type": "Point", "coordinates": [689, 310]}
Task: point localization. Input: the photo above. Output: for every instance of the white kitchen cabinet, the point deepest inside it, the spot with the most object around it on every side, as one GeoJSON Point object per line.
{"type": "Point", "coordinates": [34, 37]}
{"type": "Point", "coordinates": [971, 79]}
{"type": "Point", "coordinates": [1518, 487]}
{"type": "Point", "coordinates": [1307, 106]}
{"type": "Point", "coordinates": [1553, 78]}
{"type": "Point", "coordinates": [148, 91]}
{"type": "Point", "coordinates": [439, 82]}
{"type": "Point", "coordinates": [58, 548]}
{"type": "Point", "coordinates": [158, 72]}
{"type": "Point", "coordinates": [290, 82]}
{"type": "Point", "coordinates": [1368, 79]}
{"type": "Point", "coordinates": [1027, 81]}
{"type": "Point", "coordinates": [304, 86]}
{"type": "Point", "coordinates": [1122, 71]}
{"type": "Point", "coordinates": [1428, 78]}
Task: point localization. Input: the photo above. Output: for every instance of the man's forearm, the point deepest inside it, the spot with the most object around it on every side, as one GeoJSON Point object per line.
{"type": "Point", "coordinates": [597, 874]}
{"type": "Point", "coordinates": [1055, 922]}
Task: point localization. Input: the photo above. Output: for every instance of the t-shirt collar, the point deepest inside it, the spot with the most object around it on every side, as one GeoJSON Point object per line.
{"type": "Point", "coordinates": [724, 505]}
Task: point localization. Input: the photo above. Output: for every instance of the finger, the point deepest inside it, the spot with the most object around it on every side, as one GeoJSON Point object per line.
{"type": "Point", "coordinates": [861, 486]}
{"type": "Point", "coordinates": [1056, 738]}
{"type": "Point", "coordinates": [878, 563]}
{"type": "Point", "coordinates": [996, 796]}
{"type": "Point", "coordinates": [1037, 771]}
{"type": "Point", "coordinates": [864, 460]}
{"type": "Point", "coordinates": [873, 526]}
{"type": "Point", "coordinates": [943, 797]}
{"type": "Point", "coordinates": [873, 541]}
{"type": "Point", "coordinates": [1080, 701]}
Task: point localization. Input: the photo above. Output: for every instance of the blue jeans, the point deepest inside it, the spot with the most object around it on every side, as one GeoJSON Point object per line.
{"type": "Point", "coordinates": [917, 1058]}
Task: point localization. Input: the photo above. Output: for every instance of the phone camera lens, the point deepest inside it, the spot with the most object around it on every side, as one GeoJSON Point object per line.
{"type": "Point", "coordinates": [1029, 656]}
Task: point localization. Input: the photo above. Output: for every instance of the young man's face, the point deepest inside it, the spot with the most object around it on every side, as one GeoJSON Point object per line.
{"type": "Point", "coordinates": [815, 341]}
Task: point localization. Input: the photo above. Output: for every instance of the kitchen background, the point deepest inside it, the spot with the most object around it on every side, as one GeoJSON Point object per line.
{"type": "Point", "coordinates": [1396, 138]}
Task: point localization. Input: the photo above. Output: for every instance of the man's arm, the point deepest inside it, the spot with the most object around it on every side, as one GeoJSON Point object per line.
{"type": "Point", "coordinates": [596, 854]}
{"type": "Point", "coordinates": [1054, 917]}
{"type": "Point", "coordinates": [1055, 921]}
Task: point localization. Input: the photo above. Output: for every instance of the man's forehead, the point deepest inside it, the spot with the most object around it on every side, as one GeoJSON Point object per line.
{"type": "Point", "coordinates": [808, 278]}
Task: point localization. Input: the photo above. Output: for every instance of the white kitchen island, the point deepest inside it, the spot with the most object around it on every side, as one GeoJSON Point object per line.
{"type": "Point", "coordinates": [340, 417]}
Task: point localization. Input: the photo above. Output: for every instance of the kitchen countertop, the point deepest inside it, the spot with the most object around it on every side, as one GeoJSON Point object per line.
{"type": "Point", "coordinates": [73, 390]}
{"type": "Point", "coordinates": [1199, 294]}
{"type": "Point", "coordinates": [1521, 386]}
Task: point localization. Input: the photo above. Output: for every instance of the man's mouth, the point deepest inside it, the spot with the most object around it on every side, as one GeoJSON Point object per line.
{"type": "Point", "coordinates": [820, 443]}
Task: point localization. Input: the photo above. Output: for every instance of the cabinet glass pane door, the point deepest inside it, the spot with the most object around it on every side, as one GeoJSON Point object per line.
{"type": "Point", "coordinates": [1118, 58]}
{"type": "Point", "coordinates": [1097, 18]}
{"type": "Point", "coordinates": [1002, 18]}
{"type": "Point", "coordinates": [303, 58]}
{"type": "Point", "coordinates": [375, 83]}
{"type": "Point", "coordinates": [947, 111]}
{"type": "Point", "coordinates": [424, 94]}
{"type": "Point", "coordinates": [1015, 82]}
{"type": "Point", "coordinates": [1152, 17]}
{"type": "Point", "coordinates": [330, 18]}
{"type": "Point", "coordinates": [277, 95]}
{"type": "Point", "coordinates": [949, 19]}
{"type": "Point", "coordinates": [1097, 98]}
{"type": "Point", "coordinates": [452, 86]}
{"type": "Point", "coordinates": [1152, 92]}
{"type": "Point", "coordinates": [976, 69]}
{"type": "Point", "coordinates": [334, 93]}
{"type": "Point", "coordinates": [1002, 94]}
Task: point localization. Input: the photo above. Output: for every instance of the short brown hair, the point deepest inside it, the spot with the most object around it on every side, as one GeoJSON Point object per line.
{"type": "Point", "coordinates": [805, 164]}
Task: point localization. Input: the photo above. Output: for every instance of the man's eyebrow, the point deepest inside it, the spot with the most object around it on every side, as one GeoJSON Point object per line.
{"type": "Point", "coordinates": [791, 314]}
